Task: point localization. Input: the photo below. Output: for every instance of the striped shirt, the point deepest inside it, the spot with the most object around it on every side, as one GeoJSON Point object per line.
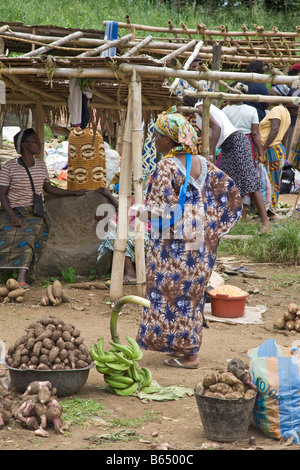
{"type": "Point", "coordinates": [13, 175]}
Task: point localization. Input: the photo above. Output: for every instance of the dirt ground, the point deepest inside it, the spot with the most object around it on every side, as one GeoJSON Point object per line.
{"type": "Point", "coordinates": [177, 423]}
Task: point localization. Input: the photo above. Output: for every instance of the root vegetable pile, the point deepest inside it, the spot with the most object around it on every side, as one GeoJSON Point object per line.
{"type": "Point", "coordinates": [55, 294]}
{"type": "Point", "coordinates": [40, 407]}
{"type": "Point", "coordinates": [12, 292]}
{"type": "Point", "coordinates": [49, 344]}
{"type": "Point", "coordinates": [5, 406]}
{"type": "Point", "coordinates": [231, 384]}
{"type": "Point", "coordinates": [289, 320]}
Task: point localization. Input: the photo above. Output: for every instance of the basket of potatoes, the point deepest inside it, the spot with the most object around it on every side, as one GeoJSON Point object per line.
{"type": "Point", "coordinates": [225, 405]}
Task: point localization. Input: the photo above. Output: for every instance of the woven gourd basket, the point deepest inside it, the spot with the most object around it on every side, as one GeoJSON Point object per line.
{"type": "Point", "coordinates": [86, 160]}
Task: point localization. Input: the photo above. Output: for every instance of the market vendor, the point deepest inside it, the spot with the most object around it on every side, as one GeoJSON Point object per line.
{"type": "Point", "coordinates": [23, 234]}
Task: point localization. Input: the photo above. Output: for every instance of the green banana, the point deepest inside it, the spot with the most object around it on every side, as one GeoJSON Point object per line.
{"type": "Point", "coordinates": [137, 353]}
{"type": "Point", "coordinates": [124, 349]}
{"type": "Point", "coordinates": [100, 346]}
{"type": "Point", "coordinates": [103, 370]}
{"type": "Point", "coordinates": [115, 384]}
{"type": "Point", "coordinates": [148, 377]}
{"type": "Point", "coordinates": [134, 371]}
{"type": "Point", "coordinates": [128, 391]}
{"type": "Point", "coordinates": [117, 366]}
{"type": "Point", "coordinates": [123, 360]}
{"type": "Point", "coordinates": [93, 352]}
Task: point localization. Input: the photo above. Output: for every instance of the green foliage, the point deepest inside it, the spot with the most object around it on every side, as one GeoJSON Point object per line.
{"type": "Point", "coordinates": [281, 245]}
{"type": "Point", "coordinates": [91, 14]}
{"type": "Point", "coordinates": [78, 410]}
{"type": "Point", "coordinates": [69, 275]}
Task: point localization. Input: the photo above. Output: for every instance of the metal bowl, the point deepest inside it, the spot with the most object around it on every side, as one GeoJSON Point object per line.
{"type": "Point", "coordinates": [67, 382]}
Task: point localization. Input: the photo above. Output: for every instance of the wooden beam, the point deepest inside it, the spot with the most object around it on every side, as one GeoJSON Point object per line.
{"type": "Point", "coordinates": [59, 42]}
{"type": "Point", "coordinates": [108, 45]}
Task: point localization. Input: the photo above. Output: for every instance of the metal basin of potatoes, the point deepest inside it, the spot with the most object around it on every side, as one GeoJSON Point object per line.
{"type": "Point", "coordinates": [67, 382]}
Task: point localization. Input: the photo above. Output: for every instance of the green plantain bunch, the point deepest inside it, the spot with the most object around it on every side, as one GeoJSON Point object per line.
{"type": "Point", "coordinates": [120, 368]}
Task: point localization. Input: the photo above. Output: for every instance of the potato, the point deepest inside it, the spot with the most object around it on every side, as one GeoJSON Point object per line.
{"type": "Point", "coordinates": [292, 308]}
{"type": "Point", "coordinates": [12, 284]}
{"type": "Point", "coordinates": [297, 324]}
{"type": "Point", "coordinates": [290, 325]}
{"type": "Point", "coordinates": [238, 387]}
{"type": "Point", "coordinates": [279, 323]}
{"type": "Point", "coordinates": [220, 388]}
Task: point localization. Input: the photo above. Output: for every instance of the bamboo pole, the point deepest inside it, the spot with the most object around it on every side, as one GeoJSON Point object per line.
{"type": "Point", "coordinates": [179, 51]}
{"type": "Point", "coordinates": [202, 29]}
{"type": "Point", "coordinates": [295, 137]}
{"type": "Point", "coordinates": [241, 97]}
{"type": "Point", "coordinates": [188, 63]}
{"type": "Point", "coordinates": [137, 141]}
{"type": "Point", "coordinates": [150, 71]}
{"type": "Point", "coordinates": [117, 272]}
{"type": "Point", "coordinates": [205, 127]}
{"type": "Point", "coordinates": [106, 46]}
{"type": "Point", "coordinates": [39, 128]}
{"type": "Point", "coordinates": [137, 47]}
{"type": "Point", "coordinates": [52, 45]}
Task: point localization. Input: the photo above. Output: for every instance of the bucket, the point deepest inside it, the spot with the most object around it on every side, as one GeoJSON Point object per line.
{"type": "Point", "coordinates": [225, 420]}
{"type": "Point", "coordinates": [222, 305]}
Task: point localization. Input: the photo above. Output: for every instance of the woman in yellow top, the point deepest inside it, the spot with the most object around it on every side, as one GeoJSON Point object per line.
{"type": "Point", "coordinates": [274, 132]}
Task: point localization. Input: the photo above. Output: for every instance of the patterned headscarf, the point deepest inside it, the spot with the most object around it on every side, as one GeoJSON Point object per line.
{"type": "Point", "coordinates": [175, 126]}
{"type": "Point", "coordinates": [282, 90]}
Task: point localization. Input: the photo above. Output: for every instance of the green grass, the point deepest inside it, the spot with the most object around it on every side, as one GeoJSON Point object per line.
{"type": "Point", "coordinates": [281, 245]}
{"type": "Point", "coordinates": [91, 14]}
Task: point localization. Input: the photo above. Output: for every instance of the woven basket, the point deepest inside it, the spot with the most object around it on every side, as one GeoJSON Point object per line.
{"type": "Point", "coordinates": [86, 160]}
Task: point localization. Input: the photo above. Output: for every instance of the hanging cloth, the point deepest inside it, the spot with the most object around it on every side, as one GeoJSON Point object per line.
{"type": "Point", "coordinates": [111, 33]}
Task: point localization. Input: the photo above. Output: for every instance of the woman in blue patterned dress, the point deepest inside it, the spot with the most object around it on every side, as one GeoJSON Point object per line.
{"type": "Point", "coordinates": [181, 257]}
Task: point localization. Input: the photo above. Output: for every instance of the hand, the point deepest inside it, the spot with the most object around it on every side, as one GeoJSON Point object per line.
{"type": "Point", "coordinates": [15, 220]}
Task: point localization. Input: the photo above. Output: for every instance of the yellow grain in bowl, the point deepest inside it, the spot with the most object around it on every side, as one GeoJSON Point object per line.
{"type": "Point", "coordinates": [231, 291]}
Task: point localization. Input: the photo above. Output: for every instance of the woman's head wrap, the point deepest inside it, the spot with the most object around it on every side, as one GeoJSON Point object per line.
{"type": "Point", "coordinates": [282, 90]}
{"type": "Point", "coordinates": [20, 137]}
{"type": "Point", "coordinates": [175, 126]}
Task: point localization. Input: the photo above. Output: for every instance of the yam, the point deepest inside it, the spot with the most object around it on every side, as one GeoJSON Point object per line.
{"type": "Point", "coordinates": [220, 388]}
{"type": "Point", "coordinates": [288, 316]}
{"type": "Point", "coordinates": [50, 295]}
{"type": "Point", "coordinates": [228, 378]}
{"type": "Point", "coordinates": [250, 393]}
{"type": "Point", "coordinates": [292, 308]}
{"type": "Point", "coordinates": [12, 284]}
{"type": "Point", "coordinates": [45, 300]}
{"type": "Point", "coordinates": [234, 396]}
{"type": "Point", "coordinates": [64, 297]}
{"type": "Point", "coordinates": [297, 325]}
{"type": "Point", "coordinates": [53, 354]}
{"type": "Point", "coordinates": [208, 380]}
{"type": "Point", "coordinates": [56, 289]}
{"type": "Point", "coordinates": [208, 393]}
{"type": "Point", "coordinates": [290, 325]}
{"type": "Point", "coordinates": [4, 291]}
{"type": "Point", "coordinates": [81, 364]}
{"type": "Point", "coordinates": [279, 323]}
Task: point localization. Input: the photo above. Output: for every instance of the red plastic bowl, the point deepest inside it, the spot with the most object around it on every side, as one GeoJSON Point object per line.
{"type": "Point", "coordinates": [224, 306]}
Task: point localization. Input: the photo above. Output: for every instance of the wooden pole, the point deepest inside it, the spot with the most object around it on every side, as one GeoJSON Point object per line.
{"type": "Point", "coordinates": [117, 272]}
{"type": "Point", "coordinates": [295, 137]}
{"type": "Point", "coordinates": [108, 45]}
{"type": "Point", "coordinates": [137, 140]}
{"type": "Point", "coordinates": [241, 97]}
{"type": "Point", "coordinates": [39, 128]}
{"type": "Point", "coordinates": [137, 47]}
{"type": "Point", "coordinates": [205, 127]}
{"type": "Point", "coordinates": [59, 42]}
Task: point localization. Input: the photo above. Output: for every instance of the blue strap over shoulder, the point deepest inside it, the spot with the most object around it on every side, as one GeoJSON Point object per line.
{"type": "Point", "coordinates": [160, 223]}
